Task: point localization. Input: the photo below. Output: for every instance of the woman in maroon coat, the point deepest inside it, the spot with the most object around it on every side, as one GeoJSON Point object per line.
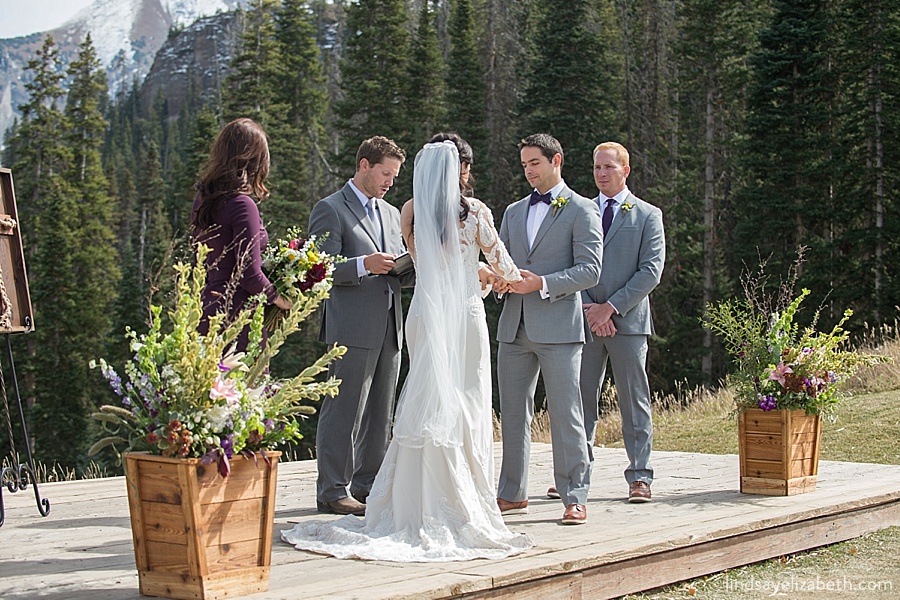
{"type": "Point", "coordinates": [225, 218]}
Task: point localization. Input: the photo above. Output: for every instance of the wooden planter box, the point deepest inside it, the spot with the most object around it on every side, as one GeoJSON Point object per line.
{"type": "Point", "coordinates": [779, 451]}
{"type": "Point", "coordinates": [197, 534]}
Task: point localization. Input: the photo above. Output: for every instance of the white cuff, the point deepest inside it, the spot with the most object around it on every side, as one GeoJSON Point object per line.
{"type": "Point", "coordinates": [361, 270]}
{"type": "Point", "coordinates": [545, 293]}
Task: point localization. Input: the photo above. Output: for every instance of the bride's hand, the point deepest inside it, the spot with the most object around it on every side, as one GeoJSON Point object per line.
{"type": "Point", "coordinates": [488, 277]}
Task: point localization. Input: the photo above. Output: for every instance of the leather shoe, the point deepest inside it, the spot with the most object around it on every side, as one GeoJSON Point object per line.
{"type": "Point", "coordinates": [638, 492]}
{"type": "Point", "coordinates": [552, 492]}
{"type": "Point", "coordinates": [343, 506]}
{"type": "Point", "coordinates": [576, 514]}
{"type": "Point", "coordinates": [360, 497]}
{"type": "Point", "coordinates": [512, 508]}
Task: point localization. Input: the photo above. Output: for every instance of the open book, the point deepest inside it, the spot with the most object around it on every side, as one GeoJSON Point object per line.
{"type": "Point", "coordinates": [402, 264]}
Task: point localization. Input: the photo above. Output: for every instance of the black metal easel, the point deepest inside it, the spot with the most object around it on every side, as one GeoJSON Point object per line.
{"type": "Point", "coordinates": [19, 475]}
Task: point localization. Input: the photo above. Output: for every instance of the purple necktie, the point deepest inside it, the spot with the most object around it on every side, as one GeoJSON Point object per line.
{"type": "Point", "coordinates": [608, 214]}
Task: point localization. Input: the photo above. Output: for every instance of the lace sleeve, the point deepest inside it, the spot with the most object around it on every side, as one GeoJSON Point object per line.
{"type": "Point", "coordinates": [490, 244]}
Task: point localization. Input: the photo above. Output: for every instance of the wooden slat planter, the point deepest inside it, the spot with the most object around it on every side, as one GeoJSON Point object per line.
{"type": "Point", "coordinates": [197, 534]}
{"type": "Point", "coordinates": [779, 451]}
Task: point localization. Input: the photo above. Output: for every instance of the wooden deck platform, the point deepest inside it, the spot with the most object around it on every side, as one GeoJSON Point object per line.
{"type": "Point", "coordinates": [697, 523]}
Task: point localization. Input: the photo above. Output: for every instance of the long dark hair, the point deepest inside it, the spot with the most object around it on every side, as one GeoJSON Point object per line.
{"type": "Point", "coordinates": [238, 164]}
{"type": "Point", "coordinates": [465, 156]}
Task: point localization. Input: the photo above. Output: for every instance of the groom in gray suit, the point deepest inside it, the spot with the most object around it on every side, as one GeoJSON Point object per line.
{"type": "Point", "coordinates": [618, 312]}
{"type": "Point", "coordinates": [554, 238]}
{"type": "Point", "coordinates": [364, 314]}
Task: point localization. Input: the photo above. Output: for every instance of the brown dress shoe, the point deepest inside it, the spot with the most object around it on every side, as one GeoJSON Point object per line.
{"type": "Point", "coordinates": [343, 506]}
{"type": "Point", "coordinates": [552, 492]}
{"type": "Point", "coordinates": [576, 514]}
{"type": "Point", "coordinates": [512, 508]}
{"type": "Point", "coordinates": [638, 492]}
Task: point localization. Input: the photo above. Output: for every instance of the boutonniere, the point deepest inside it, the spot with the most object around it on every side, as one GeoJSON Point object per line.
{"type": "Point", "coordinates": [558, 203]}
{"type": "Point", "coordinates": [626, 207]}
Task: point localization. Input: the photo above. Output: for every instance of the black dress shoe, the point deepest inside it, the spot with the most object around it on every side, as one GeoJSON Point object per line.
{"type": "Point", "coordinates": [343, 506]}
{"type": "Point", "coordinates": [360, 496]}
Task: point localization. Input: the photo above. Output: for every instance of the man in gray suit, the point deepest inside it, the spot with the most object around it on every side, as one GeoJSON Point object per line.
{"type": "Point", "coordinates": [554, 238]}
{"type": "Point", "coordinates": [618, 312]}
{"type": "Point", "coordinates": [364, 314]}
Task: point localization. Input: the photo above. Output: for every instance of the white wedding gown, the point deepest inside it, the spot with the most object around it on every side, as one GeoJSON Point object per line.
{"type": "Point", "coordinates": [433, 501]}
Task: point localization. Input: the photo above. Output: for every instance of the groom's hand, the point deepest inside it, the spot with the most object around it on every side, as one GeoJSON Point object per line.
{"type": "Point", "coordinates": [378, 263]}
{"type": "Point", "coordinates": [530, 283]}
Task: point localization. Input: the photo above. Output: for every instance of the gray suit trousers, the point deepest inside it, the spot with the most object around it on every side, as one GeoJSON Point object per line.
{"type": "Point", "coordinates": [518, 365]}
{"type": "Point", "coordinates": [350, 451]}
{"type": "Point", "coordinates": [628, 356]}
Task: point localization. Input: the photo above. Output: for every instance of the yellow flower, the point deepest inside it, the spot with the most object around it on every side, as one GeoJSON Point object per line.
{"type": "Point", "coordinates": [558, 203]}
{"type": "Point", "coordinates": [626, 207]}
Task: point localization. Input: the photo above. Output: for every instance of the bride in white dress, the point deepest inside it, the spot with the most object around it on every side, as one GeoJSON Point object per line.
{"type": "Point", "coordinates": [434, 497]}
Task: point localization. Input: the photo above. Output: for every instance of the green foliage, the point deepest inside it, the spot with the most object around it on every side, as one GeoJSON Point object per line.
{"type": "Point", "coordinates": [374, 79]}
{"type": "Point", "coordinates": [466, 90]}
{"type": "Point", "coordinates": [426, 99]}
{"type": "Point", "coordinates": [573, 87]}
{"type": "Point", "coordinates": [190, 394]}
{"type": "Point", "coordinates": [779, 365]}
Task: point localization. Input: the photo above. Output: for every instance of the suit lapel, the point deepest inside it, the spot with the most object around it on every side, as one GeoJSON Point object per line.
{"type": "Point", "coordinates": [518, 227]}
{"type": "Point", "coordinates": [549, 219]}
{"type": "Point", "coordinates": [359, 212]}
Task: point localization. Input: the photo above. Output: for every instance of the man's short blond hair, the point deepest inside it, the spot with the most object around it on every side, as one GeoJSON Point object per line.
{"type": "Point", "coordinates": [619, 149]}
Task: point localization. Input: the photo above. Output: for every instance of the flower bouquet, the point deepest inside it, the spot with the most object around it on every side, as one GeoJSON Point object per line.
{"type": "Point", "coordinates": [778, 364]}
{"type": "Point", "coordinates": [190, 395]}
{"type": "Point", "coordinates": [296, 266]}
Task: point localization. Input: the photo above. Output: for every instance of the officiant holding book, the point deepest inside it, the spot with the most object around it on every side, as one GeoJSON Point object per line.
{"type": "Point", "coordinates": [364, 314]}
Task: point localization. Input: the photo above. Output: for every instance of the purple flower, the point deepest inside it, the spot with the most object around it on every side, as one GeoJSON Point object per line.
{"type": "Point", "coordinates": [270, 424]}
{"type": "Point", "coordinates": [766, 402]}
{"type": "Point", "coordinates": [228, 445]}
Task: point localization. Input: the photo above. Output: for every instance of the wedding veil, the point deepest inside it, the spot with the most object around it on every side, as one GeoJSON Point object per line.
{"type": "Point", "coordinates": [430, 402]}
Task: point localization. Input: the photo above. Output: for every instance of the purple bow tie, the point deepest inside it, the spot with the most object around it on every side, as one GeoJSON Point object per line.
{"type": "Point", "coordinates": [538, 197]}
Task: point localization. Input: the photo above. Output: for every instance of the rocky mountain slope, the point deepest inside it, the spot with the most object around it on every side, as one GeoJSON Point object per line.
{"type": "Point", "coordinates": [126, 33]}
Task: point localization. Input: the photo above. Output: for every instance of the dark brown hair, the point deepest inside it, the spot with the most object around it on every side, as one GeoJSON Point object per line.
{"type": "Point", "coordinates": [238, 164]}
{"type": "Point", "coordinates": [465, 156]}
{"type": "Point", "coordinates": [548, 144]}
{"type": "Point", "coordinates": [376, 149]}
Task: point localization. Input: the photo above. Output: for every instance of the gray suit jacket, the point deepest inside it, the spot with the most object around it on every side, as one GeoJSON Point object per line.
{"type": "Point", "coordinates": [356, 312]}
{"type": "Point", "coordinates": [567, 252]}
{"type": "Point", "coordinates": [634, 253]}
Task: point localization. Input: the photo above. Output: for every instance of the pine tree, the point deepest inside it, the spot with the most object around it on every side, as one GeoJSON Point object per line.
{"type": "Point", "coordinates": [426, 101]}
{"type": "Point", "coordinates": [716, 39]}
{"type": "Point", "coordinates": [299, 167]}
{"type": "Point", "coordinates": [250, 87]}
{"type": "Point", "coordinates": [788, 199]}
{"type": "Point", "coordinates": [152, 234]}
{"type": "Point", "coordinates": [867, 120]}
{"type": "Point", "coordinates": [96, 263]}
{"type": "Point", "coordinates": [573, 87]}
{"type": "Point", "coordinates": [467, 95]}
{"type": "Point", "coordinates": [373, 80]}
{"type": "Point", "coordinates": [54, 367]}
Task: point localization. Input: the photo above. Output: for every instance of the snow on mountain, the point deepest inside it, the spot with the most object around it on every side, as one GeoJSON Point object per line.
{"type": "Point", "coordinates": [126, 34]}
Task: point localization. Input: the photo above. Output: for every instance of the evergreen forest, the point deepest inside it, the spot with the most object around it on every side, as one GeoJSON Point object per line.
{"type": "Point", "coordinates": [757, 126]}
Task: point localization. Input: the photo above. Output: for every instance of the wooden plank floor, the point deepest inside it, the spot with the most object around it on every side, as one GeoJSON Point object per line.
{"type": "Point", "coordinates": [698, 523]}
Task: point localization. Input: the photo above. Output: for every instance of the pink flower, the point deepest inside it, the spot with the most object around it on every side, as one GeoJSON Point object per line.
{"type": "Point", "coordinates": [227, 389]}
{"type": "Point", "coordinates": [779, 372]}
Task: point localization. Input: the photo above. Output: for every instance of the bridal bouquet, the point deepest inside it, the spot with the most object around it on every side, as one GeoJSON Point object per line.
{"type": "Point", "coordinates": [187, 394]}
{"type": "Point", "coordinates": [778, 364]}
{"type": "Point", "coordinates": [296, 266]}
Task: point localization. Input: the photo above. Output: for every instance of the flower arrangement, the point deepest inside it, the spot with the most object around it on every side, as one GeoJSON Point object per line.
{"type": "Point", "coordinates": [779, 365]}
{"type": "Point", "coordinates": [296, 266]}
{"type": "Point", "coordinates": [191, 395]}
{"type": "Point", "coordinates": [558, 203]}
{"type": "Point", "coordinates": [626, 206]}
